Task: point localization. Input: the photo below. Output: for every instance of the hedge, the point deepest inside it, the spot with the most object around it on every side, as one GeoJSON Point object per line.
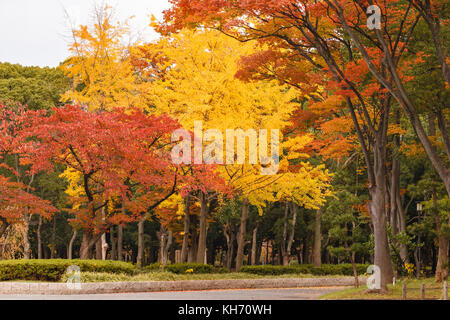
{"type": "Point", "coordinates": [157, 266]}
{"type": "Point", "coordinates": [325, 269]}
{"type": "Point", "coordinates": [54, 269]}
{"type": "Point", "coordinates": [181, 268]}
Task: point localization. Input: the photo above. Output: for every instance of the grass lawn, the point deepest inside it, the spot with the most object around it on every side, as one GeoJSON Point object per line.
{"type": "Point", "coordinates": [169, 276]}
{"type": "Point", "coordinates": [432, 291]}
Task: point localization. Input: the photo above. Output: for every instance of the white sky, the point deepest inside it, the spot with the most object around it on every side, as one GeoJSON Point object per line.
{"type": "Point", "coordinates": [36, 32]}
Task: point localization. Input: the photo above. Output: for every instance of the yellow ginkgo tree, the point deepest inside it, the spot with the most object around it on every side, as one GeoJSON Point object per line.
{"type": "Point", "coordinates": [99, 65]}
{"type": "Point", "coordinates": [191, 76]}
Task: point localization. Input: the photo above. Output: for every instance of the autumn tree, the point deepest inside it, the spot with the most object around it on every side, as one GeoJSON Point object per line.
{"type": "Point", "coordinates": [106, 154]}
{"type": "Point", "coordinates": [18, 205]}
{"type": "Point", "coordinates": [99, 65]}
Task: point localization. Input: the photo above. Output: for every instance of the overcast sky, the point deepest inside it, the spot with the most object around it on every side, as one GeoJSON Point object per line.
{"type": "Point", "coordinates": [35, 32]}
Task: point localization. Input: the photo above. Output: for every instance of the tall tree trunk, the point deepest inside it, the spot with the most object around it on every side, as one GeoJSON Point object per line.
{"type": "Point", "coordinates": [39, 239]}
{"type": "Point", "coordinates": [120, 256]}
{"type": "Point", "coordinates": [402, 226]}
{"type": "Point", "coordinates": [230, 235]}
{"type": "Point", "coordinates": [103, 243]}
{"type": "Point", "coordinates": [294, 211]}
{"type": "Point", "coordinates": [113, 243]}
{"type": "Point", "coordinates": [120, 242]}
{"type": "Point", "coordinates": [399, 220]}
{"type": "Point", "coordinates": [242, 232]}
{"type": "Point", "coordinates": [394, 215]}
{"type": "Point", "coordinates": [201, 250]}
{"type": "Point", "coordinates": [253, 251]}
{"type": "Point", "coordinates": [284, 253]}
{"type": "Point", "coordinates": [165, 241]}
{"type": "Point", "coordinates": [85, 250]}
{"type": "Point", "coordinates": [187, 218]}
{"type": "Point", "coordinates": [27, 244]}
{"type": "Point", "coordinates": [98, 249]}
{"type": "Point", "coordinates": [53, 240]}
{"type": "Point", "coordinates": [258, 252]}
{"type": "Point", "coordinates": [70, 249]}
{"type": "Point", "coordinates": [377, 209]}
{"type": "Point", "coordinates": [192, 252]}
{"type": "Point", "coordinates": [442, 261]}
{"type": "Point", "coordinates": [140, 255]}
{"type": "Point", "coordinates": [352, 260]}
{"type": "Point", "coordinates": [26, 238]}
{"type": "Point", "coordinates": [317, 258]}
{"type": "Point", "coordinates": [305, 250]}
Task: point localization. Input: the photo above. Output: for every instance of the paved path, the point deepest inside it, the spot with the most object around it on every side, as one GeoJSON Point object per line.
{"type": "Point", "coordinates": [247, 294]}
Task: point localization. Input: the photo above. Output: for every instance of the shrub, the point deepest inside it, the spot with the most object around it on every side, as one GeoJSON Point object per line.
{"type": "Point", "coordinates": [157, 266]}
{"type": "Point", "coordinates": [270, 270]}
{"type": "Point", "coordinates": [325, 269]}
{"type": "Point", "coordinates": [222, 270]}
{"type": "Point", "coordinates": [180, 268]}
{"type": "Point", "coordinates": [54, 269]}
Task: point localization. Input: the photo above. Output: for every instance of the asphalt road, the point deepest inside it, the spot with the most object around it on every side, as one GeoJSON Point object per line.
{"type": "Point", "coordinates": [247, 294]}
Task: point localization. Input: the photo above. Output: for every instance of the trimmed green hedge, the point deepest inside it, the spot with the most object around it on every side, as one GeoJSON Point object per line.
{"type": "Point", "coordinates": [181, 268]}
{"type": "Point", "coordinates": [54, 269]}
{"type": "Point", "coordinates": [325, 269]}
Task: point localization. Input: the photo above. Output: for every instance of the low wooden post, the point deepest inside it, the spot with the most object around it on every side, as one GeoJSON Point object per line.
{"type": "Point", "coordinates": [422, 291]}
{"type": "Point", "coordinates": [445, 290]}
{"type": "Point", "coordinates": [404, 291]}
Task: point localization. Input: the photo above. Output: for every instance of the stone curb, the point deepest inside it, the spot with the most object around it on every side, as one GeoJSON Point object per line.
{"type": "Point", "coordinates": [179, 285]}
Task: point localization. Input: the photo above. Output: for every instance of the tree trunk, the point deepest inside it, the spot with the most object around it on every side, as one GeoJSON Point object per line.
{"type": "Point", "coordinates": [98, 249]}
{"type": "Point", "coordinates": [253, 251]}
{"type": "Point", "coordinates": [38, 236]}
{"type": "Point", "coordinates": [120, 242]}
{"type": "Point", "coordinates": [284, 253]}
{"type": "Point", "coordinates": [382, 255]}
{"type": "Point", "coordinates": [88, 243]}
{"type": "Point", "coordinates": [400, 222]}
{"type": "Point", "coordinates": [165, 241]}
{"type": "Point", "coordinates": [187, 218]}
{"type": "Point", "coordinates": [53, 240]}
{"type": "Point", "coordinates": [355, 270]}
{"type": "Point", "coordinates": [377, 209]}
{"type": "Point", "coordinates": [242, 232]}
{"type": "Point", "coordinates": [26, 238]}
{"type": "Point", "coordinates": [442, 261]}
{"type": "Point", "coordinates": [113, 243]}
{"type": "Point", "coordinates": [201, 250]}
{"type": "Point", "coordinates": [395, 188]}
{"type": "Point", "coordinates": [140, 255]}
{"type": "Point", "coordinates": [70, 249]}
{"type": "Point", "coordinates": [230, 235]}
{"type": "Point", "coordinates": [258, 252]}
{"type": "Point", "coordinates": [305, 250]}
{"type": "Point", "coordinates": [192, 252]}
{"type": "Point", "coordinates": [317, 258]}
{"type": "Point", "coordinates": [290, 242]}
